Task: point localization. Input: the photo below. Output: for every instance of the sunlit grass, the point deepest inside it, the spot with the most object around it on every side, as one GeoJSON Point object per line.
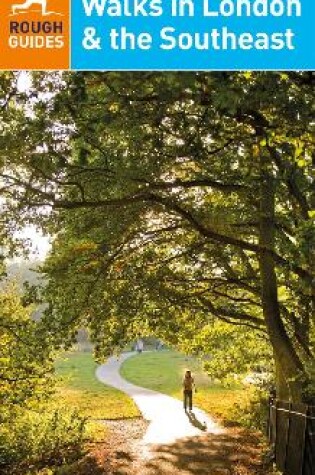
{"type": "Point", "coordinates": [78, 389]}
{"type": "Point", "coordinates": [164, 370]}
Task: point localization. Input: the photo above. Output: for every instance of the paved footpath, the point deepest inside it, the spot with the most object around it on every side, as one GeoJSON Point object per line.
{"type": "Point", "coordinates": [167, 419]}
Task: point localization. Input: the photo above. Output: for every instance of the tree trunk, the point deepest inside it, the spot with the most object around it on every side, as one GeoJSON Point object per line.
{"type": "Point", "coordinates": [288, 365]}
{"type": "Point", "coordinates": [282, 388]}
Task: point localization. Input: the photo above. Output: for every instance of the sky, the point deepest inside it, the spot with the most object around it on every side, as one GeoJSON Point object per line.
{"type": "Point", "coordinates": [24, 81]}
{"type": "Point", "coordinates": [40, 245]}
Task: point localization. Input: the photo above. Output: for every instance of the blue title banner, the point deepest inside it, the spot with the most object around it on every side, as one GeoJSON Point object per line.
{"type": "Point", "coordinates": [192, 34]}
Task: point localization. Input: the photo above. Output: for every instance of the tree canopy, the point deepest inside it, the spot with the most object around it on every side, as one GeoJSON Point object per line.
{"type": "Point", "coordinates": [176, 200]}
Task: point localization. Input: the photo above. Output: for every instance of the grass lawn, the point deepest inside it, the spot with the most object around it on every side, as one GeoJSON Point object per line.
{"type": "Point", "coordinates": [79, 389]}
{"type": "Point", "coordinates": [164, 370]}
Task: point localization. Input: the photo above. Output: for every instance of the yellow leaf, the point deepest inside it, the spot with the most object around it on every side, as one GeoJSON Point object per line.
{"type": "Point", "coordinates": [301, 163]}
{"type": "Point", "coordinates": [255, 150]}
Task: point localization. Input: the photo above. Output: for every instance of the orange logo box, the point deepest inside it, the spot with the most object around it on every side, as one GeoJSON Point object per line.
{"type": "Point", "coordinates": [34, 34]}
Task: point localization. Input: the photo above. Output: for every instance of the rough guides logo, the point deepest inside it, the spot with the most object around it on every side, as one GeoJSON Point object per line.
{"type": "Point", "coordinates": [34, 34]}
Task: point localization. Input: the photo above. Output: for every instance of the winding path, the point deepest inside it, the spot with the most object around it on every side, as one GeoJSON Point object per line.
{"type": "Point", "coordinates": [167, 419]}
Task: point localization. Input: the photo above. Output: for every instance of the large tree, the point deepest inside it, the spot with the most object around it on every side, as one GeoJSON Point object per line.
{"type": "Point", "coordinates": [176, 199]}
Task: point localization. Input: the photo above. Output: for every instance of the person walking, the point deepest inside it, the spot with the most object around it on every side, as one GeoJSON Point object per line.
{"type": "Point", "coordinates": [188, 384]}
{"type": "Point", "coordinates": [139, 345]}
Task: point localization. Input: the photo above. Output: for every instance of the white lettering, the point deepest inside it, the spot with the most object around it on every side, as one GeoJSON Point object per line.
{"type": "Point", "coordinates": [127, 40]}
{"type": "Point", "coordinates": [36, 42]}
{"type": "Point", "coordinates": [277, 41]}
{"type": "Point", "coordinates": [224, 39]}
{"type": "Point", "coordinates": [166, 35]}
{"type": "Point", "coordinates": [227, 8]}
{"type": "Point", "coordinates": [118, 8]}
{"type": "Point", "coordinates": [182, 8]}
{"type": "Point", "coordinates": [246, 41]}
{"type": "Point", "coordinates": [97, 5]}
{"type": "Point", "coordinates": [289, 35]}
{"type": "Point", "coordinates": [259, 8]}
{"type": "Point", "coordinates": [207, 11]}
{"type": "Point", "coordinates": [277, 8]}
{"type": "Point", "coordinates": [262, 41]}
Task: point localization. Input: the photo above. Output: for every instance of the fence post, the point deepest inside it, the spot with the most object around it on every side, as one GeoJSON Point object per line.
{"type": "Point", "coordinates": [272, 423]}
{"type": "Point", "coordinates": [309, 450]}
{"type": "Point", "coordinates": [291, 434]}
{"type": "Point", "coordinates": [288, 438]}
{"type": "Point", "coordinates": [271, 398]}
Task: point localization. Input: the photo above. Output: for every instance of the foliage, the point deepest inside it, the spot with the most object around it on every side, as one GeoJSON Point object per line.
{"type": "Point", "coordinates": [25, 357]}
{"type": "Point", "coordinates": [32, 432]}
{"type": "Point", "coordinates": [40, 439]}
{"type": "Point", "coordinates": [230, 352]}
{"type": "Point", "coordinates": [175, 199]}
{"type": "Point", "coordinates": [252, 410]}
{"type": "Point", "coordinates": [310, 389]}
